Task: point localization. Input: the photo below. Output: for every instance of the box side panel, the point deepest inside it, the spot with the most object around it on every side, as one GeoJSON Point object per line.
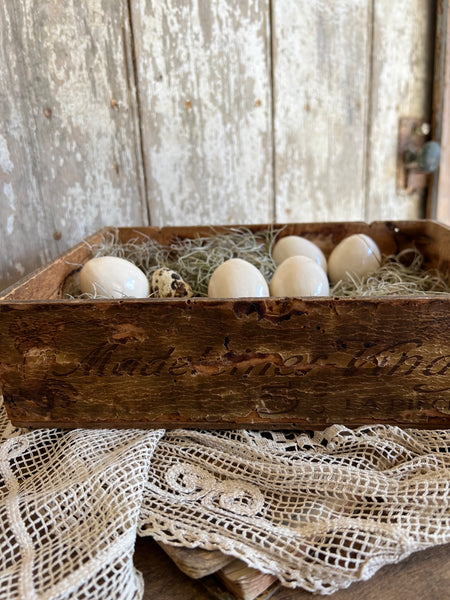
{"type": "Point", "coordinates": [46, 283]}
{"type": "Point", "coordinates": [436, 247]}
{"type": "Point", "coordinates": [195, 363]}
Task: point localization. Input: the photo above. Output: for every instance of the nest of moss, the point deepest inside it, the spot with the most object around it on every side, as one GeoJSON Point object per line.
{"type": "Point", "coordinates": [196, 259]}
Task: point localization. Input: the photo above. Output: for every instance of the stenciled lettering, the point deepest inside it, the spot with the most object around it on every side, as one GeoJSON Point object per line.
{"type": "Point", "coordinates": [400, 359]}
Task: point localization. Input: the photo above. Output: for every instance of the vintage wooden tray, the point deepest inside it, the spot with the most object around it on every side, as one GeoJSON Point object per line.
{"type": "Point", "coordinates": [254, 363]}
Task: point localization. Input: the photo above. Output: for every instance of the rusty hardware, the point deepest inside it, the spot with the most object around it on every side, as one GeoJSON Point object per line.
{"type": "Point", "coordinates": [425, 161]}
{"type": "Point", "coordinates": [417, 155]}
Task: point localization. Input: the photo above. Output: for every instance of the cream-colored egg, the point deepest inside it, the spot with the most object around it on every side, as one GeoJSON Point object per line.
{"type": "Point", "coordinates": [357, 255]}
{"type": "Point", "coordinates": [113, 277]}
{"type": "Point", "coordinates": [237, 278]}
{"type": "Point", "coordinates": [299, 276]}
{"type": "Point", "coordinates": [295, 245]}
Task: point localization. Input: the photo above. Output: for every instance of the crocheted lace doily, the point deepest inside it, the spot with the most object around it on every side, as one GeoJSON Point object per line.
{"type": "Point", "coordinates": [319, 510]}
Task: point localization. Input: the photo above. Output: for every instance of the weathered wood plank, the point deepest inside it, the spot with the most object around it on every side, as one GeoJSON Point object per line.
{"type": "Point", "coordinates": [69, 141]}
{"type": "Point", "coordinates": [196, 562]}
{"type": "Point", "coordinates": [140, 364]}
{"type": "Point", "coordinates": [320, 75]}
{"type": "Point", "coordinates": [204, 89]}
{"type": "Point", "coordinates": [400, 86]}
{"type": "Point", "coordinates": [245, 582]}
{"type": "Point", "coordinates": [439, 197]}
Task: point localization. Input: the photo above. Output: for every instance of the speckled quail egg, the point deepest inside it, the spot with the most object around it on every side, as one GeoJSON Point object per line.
{"type": "Point", "coordinates": [169, 284]}
{"type": "Point", "coordinates": [299, 276]}
{"type": "Point", "coordinates": [113, 277]}
{"type": "Point", "coordinates": [237, 278]}
{"type": "Point", "coordinates": [295, 245]}
{"type": "Point", "coordinates": [357, 255]}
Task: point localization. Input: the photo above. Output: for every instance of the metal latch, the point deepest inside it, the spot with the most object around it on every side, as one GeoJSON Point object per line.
{"type": "Point", "coordinates": [417, 155]}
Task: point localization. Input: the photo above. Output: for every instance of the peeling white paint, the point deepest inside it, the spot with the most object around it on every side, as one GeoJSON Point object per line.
{"type": "Point", "coordinates": [20, 268]}
{"type": "Point", "coordinates": [10, 196]}
{"type": "Point", "coordinates": [10, 225]}
{"type": "Point", "coordinates": [82, 87]}
{"type": "Point", "coordinates": [6, 165]}
{"type": "Point", "coordinates": [400, 85]}
{"type": "Point", "coordinates": [76, 160]}
{"type": "Point", "coordinates": [321, 66]}
{"type": "Point", "coordinates": [204, 81]}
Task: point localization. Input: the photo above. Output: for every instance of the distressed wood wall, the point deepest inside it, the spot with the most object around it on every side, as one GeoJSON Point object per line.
{"type": "Point", "coordinates": [142, 111]}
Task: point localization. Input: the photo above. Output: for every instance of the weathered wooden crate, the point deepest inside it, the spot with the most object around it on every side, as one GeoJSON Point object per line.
{"type": "Point", "coordinates": [254, 363]}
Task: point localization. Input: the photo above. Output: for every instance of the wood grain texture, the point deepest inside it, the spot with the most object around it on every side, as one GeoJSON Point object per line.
{"type": "Point", "coordinates": [204, 88]}
{"type": "Point", "coordinates": [254, 364]}
{"type": "Point", "coordinates": [439, 198]}
{"type": "Point", "coordinates": [218, 363]}
{"type": "Point", "coordinates": [245, 582]}
{"type": "Point", "coordinates": [69, 140]}
{"type": "Point", "coordinates": [196, 562]}
{"type": "Point", "coordinates": [400, 86]}
{"type": "Point", "coordinates": [320, 86]}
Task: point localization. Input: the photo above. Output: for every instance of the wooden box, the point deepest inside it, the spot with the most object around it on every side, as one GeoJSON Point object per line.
{"type": "Point", "coordinates": [254, 363]}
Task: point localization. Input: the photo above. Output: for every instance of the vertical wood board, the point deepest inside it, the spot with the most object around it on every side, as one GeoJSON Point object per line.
{"type": "Point", "coordinates": [69, 142]}
{"type": "Point", "coordinates": [320, 87]}
{"type": "Point", "coordinates": [204, 91]}
{"type": "Point", "coordinates": [439, 198]}
{"type": "Point", "coordinates": [400, 86]}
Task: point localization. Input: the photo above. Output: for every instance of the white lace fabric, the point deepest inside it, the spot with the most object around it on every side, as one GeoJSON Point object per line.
{"type": "Point", "coordinates": [319, 510]}
{"type": "Point", "coordinates": [69, 507]}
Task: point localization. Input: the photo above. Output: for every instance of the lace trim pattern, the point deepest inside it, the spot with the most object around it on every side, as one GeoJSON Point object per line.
{"type": "Point", "coordinates": [317, 509]}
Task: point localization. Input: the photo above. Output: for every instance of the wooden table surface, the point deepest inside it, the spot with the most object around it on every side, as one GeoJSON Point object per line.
{"type": "Point", "coordinates": [424, 575]}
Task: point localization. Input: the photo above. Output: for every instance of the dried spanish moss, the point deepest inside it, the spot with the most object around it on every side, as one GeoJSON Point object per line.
{"type": "Point", "coordinates": [402, 274]}
{"type": "Point", "coordinates": [196, 259]}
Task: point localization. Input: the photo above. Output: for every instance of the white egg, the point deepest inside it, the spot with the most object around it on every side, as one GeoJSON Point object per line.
{"type": "Point", "coordinates": [113, 277]}
{"type": "Point", "coordinates": [299, 276]}
{"type": "Point", "coordinates": [356, 255]}
{"type": "Point", "coordinates": [237, 278]}
{"type": "Point", "coordinates": [295, 245]}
